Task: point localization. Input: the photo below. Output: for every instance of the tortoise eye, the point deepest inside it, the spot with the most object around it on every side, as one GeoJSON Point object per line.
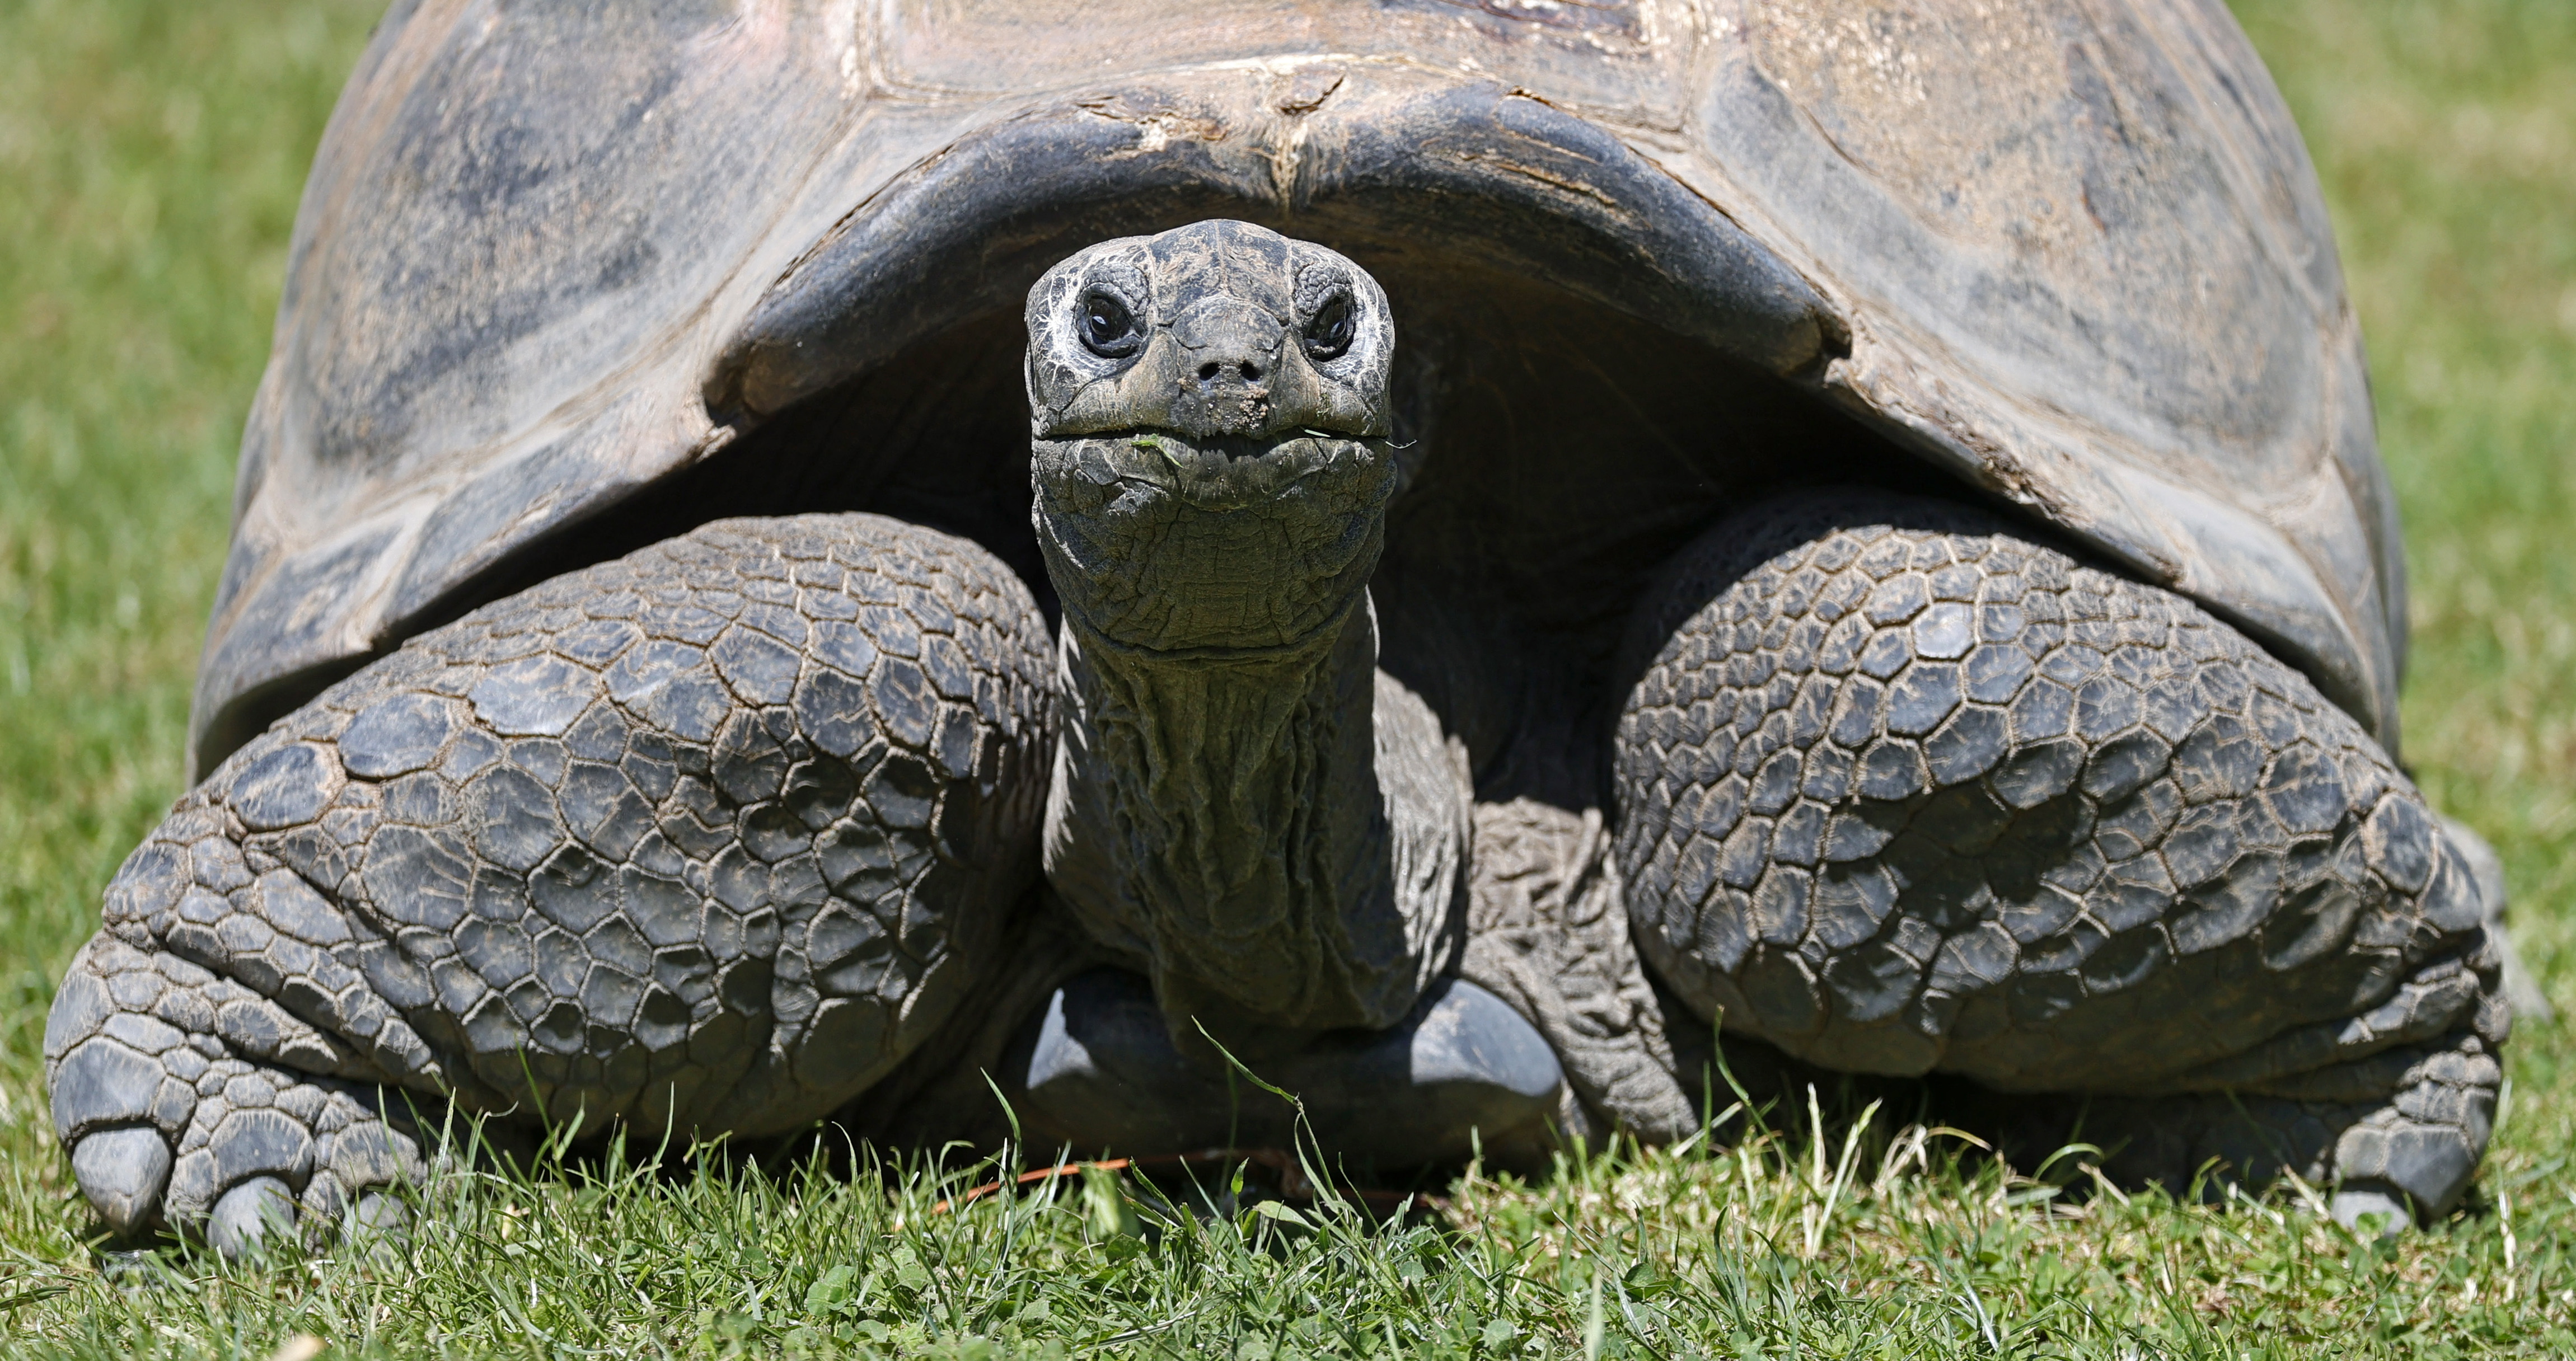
{"type": "Point", "coordinates": [1329, 334]}
{"type": "Point", "coordinates": [1108, 329]}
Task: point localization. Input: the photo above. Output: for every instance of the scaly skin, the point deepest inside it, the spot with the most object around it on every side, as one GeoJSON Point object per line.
{"type": "Point", "coordinates": [1903, 793]}
{"type": "Point", "coordinates": [708, 837]}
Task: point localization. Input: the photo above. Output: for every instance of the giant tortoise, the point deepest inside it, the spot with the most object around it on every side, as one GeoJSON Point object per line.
{"type": "Point", "coordinates": [1543, 528]}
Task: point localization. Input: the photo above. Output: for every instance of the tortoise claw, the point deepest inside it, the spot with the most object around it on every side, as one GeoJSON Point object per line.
{"type": "Point", "coordinates": [248, 1214]}
{"type": "Point", "coordinates": [123, 1171]}
{"type": "Point", "coordinates": [104, 1083]}
{"type": "Point", "coordinates": [2356, 1200]}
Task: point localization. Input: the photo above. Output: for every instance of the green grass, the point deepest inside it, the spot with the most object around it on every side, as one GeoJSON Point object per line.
{"type": "Point", "coordinates": [149, 164]}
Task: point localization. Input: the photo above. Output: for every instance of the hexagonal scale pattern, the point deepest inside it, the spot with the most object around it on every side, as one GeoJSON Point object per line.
{"type": "Point", "coordinates": [709, 836]}
{"type": "Point", "coordinates": [1900, 792]}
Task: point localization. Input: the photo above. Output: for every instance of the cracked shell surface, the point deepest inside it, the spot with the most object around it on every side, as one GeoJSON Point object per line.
{"type": "Point", "coordinates": [2070, 248]}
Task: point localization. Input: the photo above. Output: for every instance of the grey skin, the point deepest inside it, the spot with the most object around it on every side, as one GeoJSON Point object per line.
{"type": "Point", "coordinates": [1243, 802]}
{"type": "Point", "coordinates": [1902, 791]}
{"type": "Point", "coordinates": [792, 816]}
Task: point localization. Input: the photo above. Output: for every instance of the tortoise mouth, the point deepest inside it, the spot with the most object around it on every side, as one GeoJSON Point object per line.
{"type": "Point", "coordinates": [1220, 474]}
{"type": "Point", "coordinates": [1216, 547]}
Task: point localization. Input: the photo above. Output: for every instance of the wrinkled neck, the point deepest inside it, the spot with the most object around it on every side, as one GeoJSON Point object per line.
{"type": "Point", "coordinates": [1223, 822]}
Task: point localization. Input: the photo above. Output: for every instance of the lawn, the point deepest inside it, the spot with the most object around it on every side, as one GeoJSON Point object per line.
{"type": "Point", "coordinates": [150, 158]}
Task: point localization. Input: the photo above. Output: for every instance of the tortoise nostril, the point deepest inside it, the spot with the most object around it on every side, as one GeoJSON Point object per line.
{"type": "Point", "coordinates": [1210, 371]}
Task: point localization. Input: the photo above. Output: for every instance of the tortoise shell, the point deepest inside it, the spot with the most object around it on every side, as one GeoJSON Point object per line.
{"type": "Point", "coordinates": [567, 279]}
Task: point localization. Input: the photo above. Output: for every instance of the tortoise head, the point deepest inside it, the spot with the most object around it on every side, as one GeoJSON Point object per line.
{"type": "Point", "coordinates": [1209, 421]}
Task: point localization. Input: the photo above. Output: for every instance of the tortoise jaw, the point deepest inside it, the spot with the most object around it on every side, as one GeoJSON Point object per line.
{"type": "Point", "coordinates": [1223, 474]}
{"type": "Point", "coordinates": [1165, 543]}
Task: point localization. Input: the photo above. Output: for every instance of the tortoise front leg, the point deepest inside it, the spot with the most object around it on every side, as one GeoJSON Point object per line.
{"type": "Point", "coordinates": [708, 838]}
{"type": "Point", "coordinates": [1901, 792]}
